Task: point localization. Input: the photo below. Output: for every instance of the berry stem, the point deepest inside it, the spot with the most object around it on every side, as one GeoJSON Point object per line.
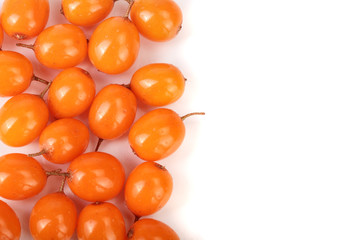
{"type": "Point", "coordinates": [191, 114]}
{"type": "Point", "coordinates": [57, 172]}
{"type": "Point", "coordinates": [62, 186]}
{"type": "Point", "coordinates": [42, 94]}
{"type": "Point", "coordinates": [35, 78]}
{"type": "Point", "coordinates": [31, 46]}
{"type": "Point", "coordinates": [131, 3]}
{"type": "Point", "coordinates": [136, 218]}
{"type": "Point", "coordinates": [98, 144]}
{"type": "Point", "coordinates": [42, 152]}
{"type": "Point", "coordinates": [126, 85]}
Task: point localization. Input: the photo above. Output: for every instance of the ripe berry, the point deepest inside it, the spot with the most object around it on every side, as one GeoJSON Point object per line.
{"type": "Point", "coordinates": [16, 73]}
{"type": "Point", "coordinates": [96, 176]}
{"type": "Point", "coordinates": [71, 93]}
{"type": "Point", "coordinates": [22, 177]}
{"type": "Point", "coordinates": [158, 84]}
{"type": "Point", "coordinates": [112, 112]}
{"type": "Point", "coordinates": [53, 217]}
{"type": "Point", "coordinates": [60, 46]}
{"type": "Point", "coordinates": [22, 118]}
{"type": "Point", "coordinates": [10, 227]}
{"type": "Point", "coordinates": [101, 221]}
{"type": "Point", "coordinates": [148, 188]}
{"type": "Point", "coordinates": [86, 12]}
{"type": "Point", "coordinates": [63, 140]}
{"type": "Point", "coordinates": [24, 19]}
{"type": "Point", "coordinates": [114, 45]}
{"type": "Point", "coordinates": [157, 20]}
{"type": "Point", "coordinates": [151, 229]}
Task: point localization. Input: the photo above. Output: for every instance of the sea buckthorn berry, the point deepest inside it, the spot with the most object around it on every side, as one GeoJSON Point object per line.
{"type": "Point", "coordinates": [86, 12]}
{"type": "Point", "coordinates": [63, 140]}
{"type": "Point", "coordinates": [96, 176]}
{"type": "Point", "coordinates": [148, 188]}
{"type": "Point", "coordinates": [22, 119]}
{"type": "Point", "coordinates": [22, 177]}
{"type": "Point", "coordinates": [112, 112]}
{"type": "Point", "coordinates": [157, 134]}
{"type": "Point", "coordinates": [10, 227]}
{"type": "Point", "coordinates": [16, 73]}
{"type": "Point", "coordinates": [101, 221]}
{"type": "Point", "coordinates": [24, 19]}
{"type": "Point", "coordinates": [114, 45]}
{"type": "Point", "coordinates": [158, 84]}
{"type": "Point", "coordinates": [71, 93]}
{"type": "Point", "coordinates": [148, 228]}
{"type": "Point", "coordinates": [60, 46]}
{"type": "Point", "coordinates": [54, 217]}
{"type": "Point", "coordinates": [157, 20]}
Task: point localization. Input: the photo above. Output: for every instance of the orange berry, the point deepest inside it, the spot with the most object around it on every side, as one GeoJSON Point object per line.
{"type": "Point", "coordinates": [112, 112]}
{"type": "Point", "coordinates": [24, 19]}
{"type": "Point", "coordinates": [148, 228]}
{"type": "Point", "coordinates": [158, 84]}
{"type": "Point", "coordinates": [16, 73]}
{"type": "Point", "coordinates": [23, 177]}
{"type": "Point", "coordinates": [71, 93]}
{"type": "Point", "coordinates": [101, 221]}
{"type": "Point", "coordinates": [53, 217]}
{"type": "Point", "coordinates": [64, 140]}
{"type": "Point", "coordinates": [96, 176]}
{"type": "Point", "coordinates": [148, 188]}
{"type": "Point", "coordinates": [22, 119]}
{"type": "Point", "coordinates": [157, 20]}
{"type": "Point", "coordinates": [10, 227]}
{"type": "Point", "coordinates": [86, 12]}
{"type": "Point", "coordinates": [114, 45]}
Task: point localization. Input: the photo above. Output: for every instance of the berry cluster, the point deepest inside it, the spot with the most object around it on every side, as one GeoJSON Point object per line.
{"type": "Point", "coordinates": [96, 177]}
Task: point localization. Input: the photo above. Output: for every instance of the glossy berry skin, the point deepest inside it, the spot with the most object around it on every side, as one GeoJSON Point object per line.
{"type": "Point", "coordinates": [23, 177]}
{"type": "Point", "coordinates": [86, 12]}
{"type": "Point", "coordinates": [158, 84]}
{"type": "Point", "coordinates": [101, 221]}
{"type": "Point", "coordinates": [148, 188]}
{"type": "Point", "coordinates": [53, 217]}
{"type": "Point", "coordinates": [114, 45]}
{"type": "Point", "coordinates": [61, 46]}
{"type": "Point", "coordinates": [96, 176]}
{"type": "Point", "coordinates": [64, 140]}
{"type": "Point", "coordinates": [157, 134]}
{"type": "Point", "coordinates": [10, 227]}
{"type": "Point", "coordinates": [151, 229]}
{"type": "Point", "coordinates": [157, 20]}
{"type": "Point", "coordinates": [112, 112]}
{"type": "Point", "coordinates": [24, 19]}
{"type": "Point", "coordinates": [16, 73]}
{"type": "Point", "coordinates": [22, 119]}
{"type": "Point", "coordinates": [71, 93]}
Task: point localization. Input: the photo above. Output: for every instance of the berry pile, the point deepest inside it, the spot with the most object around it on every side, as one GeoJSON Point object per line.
{"type": "Point", "coordinates": [94, 176]}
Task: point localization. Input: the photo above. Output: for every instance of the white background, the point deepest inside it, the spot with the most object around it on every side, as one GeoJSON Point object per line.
{"type": "Point", "coordinates": [277, 154]}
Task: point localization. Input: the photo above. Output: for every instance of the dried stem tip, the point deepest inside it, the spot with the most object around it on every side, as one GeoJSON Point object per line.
{"type": "Point", "coordinates": [31, 46]}
{"type": "Point", "coordinates": [192, 114]}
